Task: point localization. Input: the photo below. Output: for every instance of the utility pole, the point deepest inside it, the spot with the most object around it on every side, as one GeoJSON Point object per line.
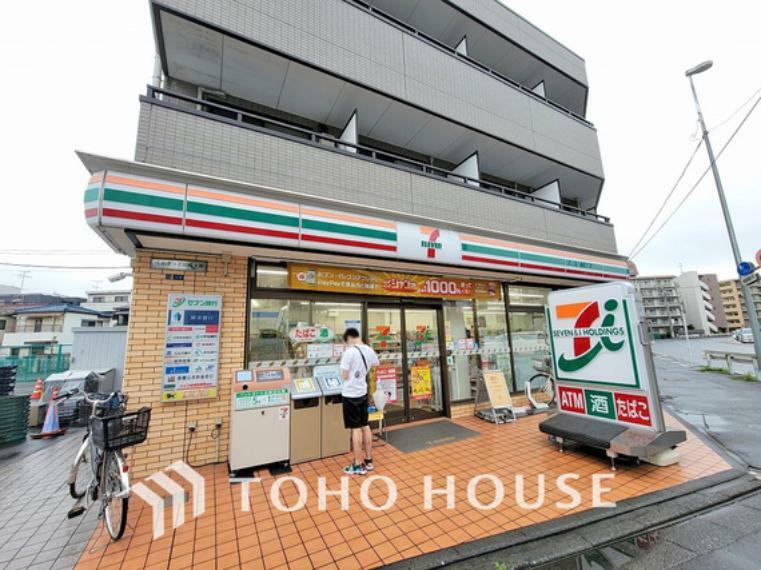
{"type": "Point", "coordinates": [748, 296]}
{"type": "Point", "coordinates": [23, 275]}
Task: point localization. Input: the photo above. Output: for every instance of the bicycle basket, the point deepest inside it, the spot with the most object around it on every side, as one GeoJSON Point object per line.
{"type": "Point", "coordinates": [119, 431]}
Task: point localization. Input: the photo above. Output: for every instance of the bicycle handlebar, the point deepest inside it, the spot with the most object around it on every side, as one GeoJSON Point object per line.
{"type": "Point", "coordinates": [87, 397]}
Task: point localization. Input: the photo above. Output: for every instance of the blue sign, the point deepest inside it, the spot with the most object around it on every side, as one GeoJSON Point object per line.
{"type": "Point", "coordinates": [745, 268]}
{"type": "Point", "coordinates": [201, 317]}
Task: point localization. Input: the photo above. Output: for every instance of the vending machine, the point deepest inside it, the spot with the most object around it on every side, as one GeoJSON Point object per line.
{"type": "Point", "coordinates": [260, 417]}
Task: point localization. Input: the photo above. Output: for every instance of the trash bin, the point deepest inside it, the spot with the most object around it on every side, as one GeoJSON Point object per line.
{"type": "Point", "coordinates": [336, 439]}
{"type": "Point", "coordinates": [306, 420]}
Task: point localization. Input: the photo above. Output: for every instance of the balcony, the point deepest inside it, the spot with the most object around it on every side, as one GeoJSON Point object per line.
{"type": "Point", "coordinates": [37, 327]}
{"type": "Point", "coordinates": [184, 132]}
{"type": "Point", "coordinates": [294, 59]}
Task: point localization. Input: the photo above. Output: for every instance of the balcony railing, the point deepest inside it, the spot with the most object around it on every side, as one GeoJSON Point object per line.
{"type": "Point", "coordinates": [270, 126]}
{"type": "Point", "coordinates": [33, 328]}
{"type": "Point", "coordinates": [468, 60]}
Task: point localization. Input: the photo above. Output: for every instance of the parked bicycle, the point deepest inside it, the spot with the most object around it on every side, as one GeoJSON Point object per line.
{"type": "Point", "coordinates": [100, 471]}
{"type": "Point", "coordinates": [541, 385]}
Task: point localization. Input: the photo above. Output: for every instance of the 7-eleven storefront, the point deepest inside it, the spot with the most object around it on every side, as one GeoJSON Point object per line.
{"type": "Point", "coordinates": [284, 276]}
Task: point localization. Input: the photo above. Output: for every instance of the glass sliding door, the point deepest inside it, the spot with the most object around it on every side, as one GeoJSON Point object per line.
{"type": "Point", "coordinates": [384, 335]}
{"type": "Point", "coordinates": [423, 363]}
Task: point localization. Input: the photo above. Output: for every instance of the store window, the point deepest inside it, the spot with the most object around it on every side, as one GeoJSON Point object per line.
{"type": "Point", "coordinates": [271, 276]}
{"type": "Point", "coordinates": [476, 339]}
{"type": "Point", "coordinates": [528, 329]}
{"type": "Point", "coordinates": [282, 329]}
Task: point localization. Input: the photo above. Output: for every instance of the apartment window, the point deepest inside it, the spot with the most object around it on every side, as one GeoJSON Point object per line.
{"type": "Point", "coordinates": [121, 298]}
{"type": "Point", "coordinates": [87, 323]}
{"type": "Point", "coordinates": [37, 325]}
{"type": "Point", "coordinates": [2, 325]}
{"type": "Point", "coordinates": [98, 299]}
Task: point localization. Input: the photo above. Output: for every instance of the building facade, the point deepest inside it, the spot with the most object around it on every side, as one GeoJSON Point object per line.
{"type": "Point", "coordinates": [114, 303]}
{"type": "Point", "coordinates": [733, 301]}
{"type": "Point", "coordinates": [422, 171]}
{"type": "Point", "coordinates": [696, 300]}
{"type": "Point", "coordinates": [662, 304]}
{"type": "Point", "coordinates": [714, 291]}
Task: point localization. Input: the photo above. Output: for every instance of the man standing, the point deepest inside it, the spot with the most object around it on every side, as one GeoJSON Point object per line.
{"type": "Point", "coordinates": [357, 361]}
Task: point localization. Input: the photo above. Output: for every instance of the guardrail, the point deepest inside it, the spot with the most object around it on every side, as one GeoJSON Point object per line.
{"type": "Point", "coordinates": [731, 358]}
{"type": "Point", "coordinates": [268, 125]}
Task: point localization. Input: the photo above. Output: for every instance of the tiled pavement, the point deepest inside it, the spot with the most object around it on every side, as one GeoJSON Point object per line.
{"type": "Point", "coordinates": [34, 500]}
{"type": "Point", "coordinates": [225, 536]}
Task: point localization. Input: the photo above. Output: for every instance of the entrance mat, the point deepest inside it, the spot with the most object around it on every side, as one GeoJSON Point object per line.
{"type": "Point", "coordinates": [425, 436]}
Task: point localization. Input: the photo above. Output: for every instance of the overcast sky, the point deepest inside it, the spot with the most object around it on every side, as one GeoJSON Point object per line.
{"type": "Point", "coordinates": [73, 80]}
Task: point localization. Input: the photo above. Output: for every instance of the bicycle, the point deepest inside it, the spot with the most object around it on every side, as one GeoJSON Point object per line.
{"type": "Point", "coordinates": [109, 430]}
{"type": "Point", "coordinates": [545, 382]}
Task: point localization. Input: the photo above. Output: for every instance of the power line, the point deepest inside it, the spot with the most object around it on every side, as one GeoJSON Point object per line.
{"type": "Point", "coordinates": [3, 263]}
{"type": "Point", "coordinates": [699, 180]}
{"type": "Point", "coordinates": [740, 108]}
{"type": "Point", "coordinates": [55, 252]}
{"type": "Point", "coordinates": [668, 196]}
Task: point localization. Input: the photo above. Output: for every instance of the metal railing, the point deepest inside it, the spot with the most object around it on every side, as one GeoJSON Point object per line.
{"type": "Point", "coordinates": [34, 362]}
{"type": "Point", "coordinates": [268, 125]}
{"type": "Point", "coordinates": [32, 328]}
{"type": "Point", "coordinates": [467, 59]}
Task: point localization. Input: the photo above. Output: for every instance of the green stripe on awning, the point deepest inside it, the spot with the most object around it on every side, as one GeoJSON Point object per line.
{"type": "Point", "coordinates": [525, 256]}
{"type": "Point", "coordinates": [347, 230]}
{"type": "Point", "coordinates": [91, 195]}
{"type": "Point", "coordinates": [142, 199]}
{"type": "Point", "coordinates": [240, 214]}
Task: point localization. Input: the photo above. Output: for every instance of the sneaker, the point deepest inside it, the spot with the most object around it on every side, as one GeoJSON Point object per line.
{"type": "Point", "coordinates": [369, 465]}
{"type": "Point", "coordinates": [355, 469]}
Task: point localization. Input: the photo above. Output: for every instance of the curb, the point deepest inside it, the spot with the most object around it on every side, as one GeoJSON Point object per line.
{"type": "Point", "coordinates": [574, 534]}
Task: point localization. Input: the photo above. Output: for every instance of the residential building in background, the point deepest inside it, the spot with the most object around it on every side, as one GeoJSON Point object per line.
{"type": "Point", "coordinates": [48, 325]}
{"type": "Point", "coordinates": [696, 300]}
{"type": "Point", "coordinates": [298, 151]}
{"type": "Point", "coordinates": [720, 317]}
{"type": "Point", "coordinates": [662, 305]}
{"type": "Point", "coordinates": [733, 301]}
{"type": "Point", "coordinates": [12, 301]}
{"type": "Point", "coordinates": [114, 303]}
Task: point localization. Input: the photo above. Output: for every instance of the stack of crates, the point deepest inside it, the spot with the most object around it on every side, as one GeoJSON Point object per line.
{"type": "Point", "coordinates": [14, 410]}
{"type": "Point", "coordinates": [7, 380]}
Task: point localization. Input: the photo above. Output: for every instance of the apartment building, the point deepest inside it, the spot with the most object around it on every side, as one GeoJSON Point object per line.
{"type": "Point", "coordinates": [111, 302]}
{"type": "Point", "coordinates": [733, 302]}
{"type": "Point", "coordinates": [711, 280]}
{"type": "Point", "coordinates": [697, 302]}
{"type": "Point", "coordinates": [664, 312]}
{"type": "Point", "coordinates": [423, 171]}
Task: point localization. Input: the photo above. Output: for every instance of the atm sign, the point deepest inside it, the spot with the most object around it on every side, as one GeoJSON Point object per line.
{"type": "Point", "coordinates": [571, 400]}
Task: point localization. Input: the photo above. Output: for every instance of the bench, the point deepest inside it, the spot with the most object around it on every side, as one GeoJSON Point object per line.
{"type": "Point", "coordinates": [730, 358]}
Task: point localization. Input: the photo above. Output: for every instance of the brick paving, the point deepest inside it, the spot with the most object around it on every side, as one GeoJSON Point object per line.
{"type": "Point", "coordinates": [34, 530]}
{"type": "Point", "coordinates": [225, 536]}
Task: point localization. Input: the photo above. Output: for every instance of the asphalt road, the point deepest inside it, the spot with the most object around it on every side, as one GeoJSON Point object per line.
{"type": "Point", "coordinates": [692, 351]}
{"type": "Point", "coordinates": [725, 409]}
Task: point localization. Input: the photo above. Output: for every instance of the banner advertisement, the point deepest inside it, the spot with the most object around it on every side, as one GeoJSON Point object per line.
{"type": "Point", "coordinates": [367, 282]}
{"type": "Point", "coordinates": [191, 347]}
{"type": "Point", "coordinates": [385, 378]}
{"type": "Point", "coordinates": [598, 356]}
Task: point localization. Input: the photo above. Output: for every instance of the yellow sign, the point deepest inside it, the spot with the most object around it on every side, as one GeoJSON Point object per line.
{"type": "Point", "coordinates": [364, 281]}
{"type": "Point", "coordinates": [496, 387]}
{"type": "Point", "coordinates": [420, 380]}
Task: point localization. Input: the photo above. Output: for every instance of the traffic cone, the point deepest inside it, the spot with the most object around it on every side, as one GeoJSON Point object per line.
{"type": "Point", "coordinates": [37, 392]}
{"type": "Point", "coordinates": [51, 427]}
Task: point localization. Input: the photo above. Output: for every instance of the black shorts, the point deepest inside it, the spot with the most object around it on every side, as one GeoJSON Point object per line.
{"type": "Point", "coordinates": [355, 412]}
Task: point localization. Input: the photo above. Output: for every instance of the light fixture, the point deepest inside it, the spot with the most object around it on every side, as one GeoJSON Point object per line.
{"type": "Point", "coordinates": [699, 68]}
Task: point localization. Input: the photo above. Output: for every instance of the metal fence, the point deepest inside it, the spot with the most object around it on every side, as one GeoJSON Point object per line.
{"type": "Point", "coordinates": [34, 362]}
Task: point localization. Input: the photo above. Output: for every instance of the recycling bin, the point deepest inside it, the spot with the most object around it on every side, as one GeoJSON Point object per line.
{"type": "Point", "coordinates": [336, 439]}
{"type": "Point", "coordinates": [306, 420]}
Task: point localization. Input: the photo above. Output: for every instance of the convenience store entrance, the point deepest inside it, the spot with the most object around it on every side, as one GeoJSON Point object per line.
{"type": "Point", "coordinates": [408, 340]}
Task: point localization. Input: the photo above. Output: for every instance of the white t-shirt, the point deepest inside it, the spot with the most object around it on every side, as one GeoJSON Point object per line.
{"type": "Point", "coordinates": [356, 385]}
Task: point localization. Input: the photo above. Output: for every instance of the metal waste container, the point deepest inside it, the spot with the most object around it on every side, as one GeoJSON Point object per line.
{"type": "Point", "coordinates": [336, 439]}
{"type": "Point", "coordinates": [306, 420]}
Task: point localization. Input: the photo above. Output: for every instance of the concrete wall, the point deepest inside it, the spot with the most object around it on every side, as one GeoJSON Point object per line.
{"type": "Point", "coordinates": [340, 38]}
{"type": "Point", "coordinates": [521, 31]}
{"type": "Point", "coordinates": [180, 140]}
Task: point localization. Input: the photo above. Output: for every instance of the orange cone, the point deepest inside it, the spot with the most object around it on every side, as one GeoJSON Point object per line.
{"type": "Point", "coordinates": [37, 392]}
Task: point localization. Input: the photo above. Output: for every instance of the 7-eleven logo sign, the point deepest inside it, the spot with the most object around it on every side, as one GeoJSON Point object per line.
{"type": "Point", "coordinates": [590, 338]}
{"type": "Point", "coordinates": [430, 241]}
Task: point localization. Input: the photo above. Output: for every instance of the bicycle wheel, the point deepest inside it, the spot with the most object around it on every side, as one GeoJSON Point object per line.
{"type": "Point", "coordinates": [114, 496]}
{"type": "Point", "coordinates": [81, 473]}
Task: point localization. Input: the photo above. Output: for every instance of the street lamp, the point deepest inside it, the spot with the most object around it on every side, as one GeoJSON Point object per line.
{"type": "Point", "coordinates": [749, 304]}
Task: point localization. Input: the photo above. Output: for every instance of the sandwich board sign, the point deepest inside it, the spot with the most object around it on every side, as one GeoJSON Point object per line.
{"type": "Point", "coordinates": [599, 357]}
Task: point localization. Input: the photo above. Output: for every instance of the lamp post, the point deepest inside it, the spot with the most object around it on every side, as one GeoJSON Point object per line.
{"type": "Point", "coordinates": [749, 305]}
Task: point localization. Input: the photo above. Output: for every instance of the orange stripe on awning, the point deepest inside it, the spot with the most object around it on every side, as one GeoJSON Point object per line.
{"type": "Point", "coordinates": [241, 199]}
{"type": "Point", "coordinates": [570, 310]}
{"type": "Point", "coordinates": [145, 184]}
{"type": "Point", "coordinates": [349, 218]}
